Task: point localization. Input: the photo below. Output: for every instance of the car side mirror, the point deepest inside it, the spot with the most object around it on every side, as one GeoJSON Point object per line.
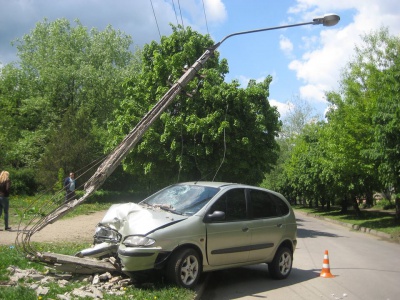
{"type": "Point", "coordinates": [215, 216]}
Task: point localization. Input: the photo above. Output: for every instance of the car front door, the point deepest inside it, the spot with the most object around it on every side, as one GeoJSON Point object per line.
{"type": "Point", "coordinates": [228, 240]}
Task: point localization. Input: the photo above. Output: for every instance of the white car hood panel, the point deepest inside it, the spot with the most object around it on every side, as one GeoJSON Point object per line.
{"type": "Point", "coordinates": [131, 218]}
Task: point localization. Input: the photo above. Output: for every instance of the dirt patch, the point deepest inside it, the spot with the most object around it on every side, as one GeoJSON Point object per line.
{"type": "Point", "coordinates": [77, 229]}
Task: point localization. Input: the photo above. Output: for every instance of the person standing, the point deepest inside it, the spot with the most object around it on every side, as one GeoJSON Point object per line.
{"type": "Point", "coordinates": [5, 185]}
{"type": "Point", "coordinates": [70, 185]}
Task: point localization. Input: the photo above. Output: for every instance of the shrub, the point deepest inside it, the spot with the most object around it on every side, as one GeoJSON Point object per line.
{"type": "Point", "coordinates": [23, 181]}
{"type": "Point", "coordinates": [385, 204]}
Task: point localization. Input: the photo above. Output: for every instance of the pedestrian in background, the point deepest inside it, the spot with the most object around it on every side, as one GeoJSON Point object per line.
{"type": "Point", "coordinates": [5, 185]}
{"type": "Point", "coordinates": [69, 186]}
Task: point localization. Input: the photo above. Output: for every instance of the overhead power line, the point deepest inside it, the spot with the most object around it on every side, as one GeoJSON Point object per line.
{"type": "Point", "coordinates": [176, 16]}
{"type": "Point", "coordinates": [180, 11]}
{"type": "Point", "coordinates": [205, 16]}
{"type": "Point", "coordinates": [155, 19]}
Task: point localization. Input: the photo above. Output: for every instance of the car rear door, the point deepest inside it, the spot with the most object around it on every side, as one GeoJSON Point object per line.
{"type": "Point", "coordinates": [266, 226]}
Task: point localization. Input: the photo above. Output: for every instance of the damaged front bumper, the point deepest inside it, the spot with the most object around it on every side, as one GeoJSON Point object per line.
{"type": "Point", "coordinates": [138, 259]}
{"type": "Point", "coordinates": [132, 259]}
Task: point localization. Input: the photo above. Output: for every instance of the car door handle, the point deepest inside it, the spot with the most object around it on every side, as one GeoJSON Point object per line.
{"type": "Point", "coordinates": [245, 229]}
{"type": "Point", "coordinates": [279, 225]}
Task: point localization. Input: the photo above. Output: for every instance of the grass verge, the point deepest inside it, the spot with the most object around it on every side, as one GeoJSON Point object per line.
{"type": "Point", "coordinates": [379, 220]}
{"type": "Point", "coordinates": [25, 208]}
{"type": "Point", "coordinates": [22, 291]}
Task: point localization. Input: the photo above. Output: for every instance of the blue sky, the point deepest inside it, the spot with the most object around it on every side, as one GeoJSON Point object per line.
{"type": "Point", "coordinates": [304, 61]}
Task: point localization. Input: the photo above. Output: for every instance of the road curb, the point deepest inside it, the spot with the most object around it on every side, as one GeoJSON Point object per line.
{"type": "Point", "coordinates": [355, 227]}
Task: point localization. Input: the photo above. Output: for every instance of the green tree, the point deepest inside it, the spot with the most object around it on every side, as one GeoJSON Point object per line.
{"type": "Point", "coordinates": [214, 130]}
{"type": "Point", "coordinates": [303, 168]}
{"type": "Point", "coordinates": [383, 66]}
{"type": "Point", "coordinates": [61, 92]}
{"type": "Point", "coordinates": [369, 107]}
{"type": "Point", "coordinates": [356, 152]}
{"type": "Point", "coordinates": [350, 136]}
{"type": "Point", "coordinates": [300, 114]}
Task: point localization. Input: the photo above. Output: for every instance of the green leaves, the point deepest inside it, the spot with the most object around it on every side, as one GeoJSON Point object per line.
{"type": "Point", "coordinates": [60, 94]}
{"type": "Point", "coordinates": [340, 158]}
{"type": "Point", "coordinates": [210, 123]}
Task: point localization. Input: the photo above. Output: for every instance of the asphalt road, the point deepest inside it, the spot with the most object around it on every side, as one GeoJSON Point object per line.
{"type": "Point", "coordinates": [365, 268]}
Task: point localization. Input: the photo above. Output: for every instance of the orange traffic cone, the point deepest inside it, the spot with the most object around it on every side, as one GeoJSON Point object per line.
{"type": "Point", "coordinates": [326, 270]}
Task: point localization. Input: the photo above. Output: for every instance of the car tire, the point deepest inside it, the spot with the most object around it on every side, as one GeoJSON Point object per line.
{"type": "Point", "coordinates": [184, 268]}
{"type": "Point", "coordinates": [281, 265]}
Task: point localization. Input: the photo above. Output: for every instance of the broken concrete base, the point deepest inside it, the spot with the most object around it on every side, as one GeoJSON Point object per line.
{"type": "Point", "coordinates": [95, 285]}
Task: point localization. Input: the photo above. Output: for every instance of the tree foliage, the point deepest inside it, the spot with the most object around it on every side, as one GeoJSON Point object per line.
{"type": "Point", "coordinates": [300, 113]}
{"type": "Point", "coordinates": [58, 97]}
{"type": "Point", "coordinates": [214, 130]}
{"type": "Point", "coordinates": [75, 92]}
{"type": "Point", "coordinates": [356, 151]}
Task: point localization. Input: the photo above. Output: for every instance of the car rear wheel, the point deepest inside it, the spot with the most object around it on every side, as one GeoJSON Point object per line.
{"type": "Point", "coordinates": [281, 266]}
{"type": "Point", "coordinates": [184, 268]}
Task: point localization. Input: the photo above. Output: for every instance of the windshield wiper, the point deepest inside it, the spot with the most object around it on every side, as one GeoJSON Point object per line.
{"type": "Point", "coordinates": [168, 208]}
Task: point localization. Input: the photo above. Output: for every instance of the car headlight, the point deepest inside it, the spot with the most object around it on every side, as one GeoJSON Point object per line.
{"type": "Point", "coordinates": [106, 234]}
{"type": "Point", "coordinates": [138, 241]}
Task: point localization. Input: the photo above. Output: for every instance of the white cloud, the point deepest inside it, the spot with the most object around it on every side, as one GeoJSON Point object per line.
{"type": "Point", "coordinates": [199, 13]}
{"type": "Point", "coordinates": [243, 80]}
{"type": "Point", "coordinates": [215, 11]}
{"type": "Point", "coordinates": [135, 18]}
{"type": "Point", "coordinates": [283, 108]}
{"type": "Point", "coordinates": [285, 45]}
{"type": "Point", "coordinates": [319, 68]}
{"type": "Point", "coordinates": [313, 92]}
{"type": "Point", "coordinates": [308, 42]}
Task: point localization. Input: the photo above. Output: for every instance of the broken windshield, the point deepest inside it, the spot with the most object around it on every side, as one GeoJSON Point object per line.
{"type": "Point", "coordinates": [182, 199]}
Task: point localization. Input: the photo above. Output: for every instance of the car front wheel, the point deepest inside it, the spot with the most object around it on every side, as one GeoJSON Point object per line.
{"type": "Point", "coordinates": [184, 268]}
{"type": "Point", "coordinates": [281, 266]}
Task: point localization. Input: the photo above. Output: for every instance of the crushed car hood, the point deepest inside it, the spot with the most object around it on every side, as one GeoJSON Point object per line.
{"type": "Point", "coordinates": [131, 218]}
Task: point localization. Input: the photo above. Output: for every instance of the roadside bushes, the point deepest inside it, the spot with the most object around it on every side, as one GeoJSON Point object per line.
{"type": "Point", "coordinates": [385, 204]}
{"type": "Point", "coordinates": [23, 181]}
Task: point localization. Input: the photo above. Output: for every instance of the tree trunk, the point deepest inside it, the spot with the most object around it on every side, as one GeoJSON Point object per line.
{"type": "Point", "coordinates": [397, 200]}
{"type": "Point", "coordinates": [344, 205]}
{"type": "Point", "coordinates": [355, 206]}
{"type": "Point", "coordinates": [370, 198]}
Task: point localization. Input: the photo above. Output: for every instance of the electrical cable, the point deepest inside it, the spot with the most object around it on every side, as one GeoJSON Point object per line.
{"type": "Point", "coordinates": [155, 19]}
{"type": "Point", "coordinates": [176, 16]}
{"type": "Point", "coordinates": [180, 161]}
{"type": "Point", "coordinates": [223, 158]}
{"type": "Point", "coordinates": [205, 17]}
{"type": "Point", "coordinates": [180, 11]}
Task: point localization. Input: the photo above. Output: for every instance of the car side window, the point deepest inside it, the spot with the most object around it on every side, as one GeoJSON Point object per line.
{"type": "Point", "coordinates": [233, 204]}
{"type": "Point", "coordinates": [283, 208]}
{"type": "Point", "coordinates": [263, 205]}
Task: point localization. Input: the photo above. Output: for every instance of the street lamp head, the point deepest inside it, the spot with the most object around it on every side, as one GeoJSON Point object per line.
{"type": "Point", "coordinates": [327, 20]}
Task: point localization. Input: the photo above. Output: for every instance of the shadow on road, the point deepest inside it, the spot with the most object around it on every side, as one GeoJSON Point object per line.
{"type": "Point", "coordinates": [250, 281]}
{"type": "Point", "coordinates": [309, 233]}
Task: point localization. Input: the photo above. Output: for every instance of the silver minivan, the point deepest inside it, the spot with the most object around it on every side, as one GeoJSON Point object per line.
{"type": "Point", "coordinates": [189, 228]}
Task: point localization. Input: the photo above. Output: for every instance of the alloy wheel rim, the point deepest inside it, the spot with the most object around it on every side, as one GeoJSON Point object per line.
{"type": "Point", "coordinates": [285, 263]}
{"type": "Point", "coordinates": [189, 270]}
